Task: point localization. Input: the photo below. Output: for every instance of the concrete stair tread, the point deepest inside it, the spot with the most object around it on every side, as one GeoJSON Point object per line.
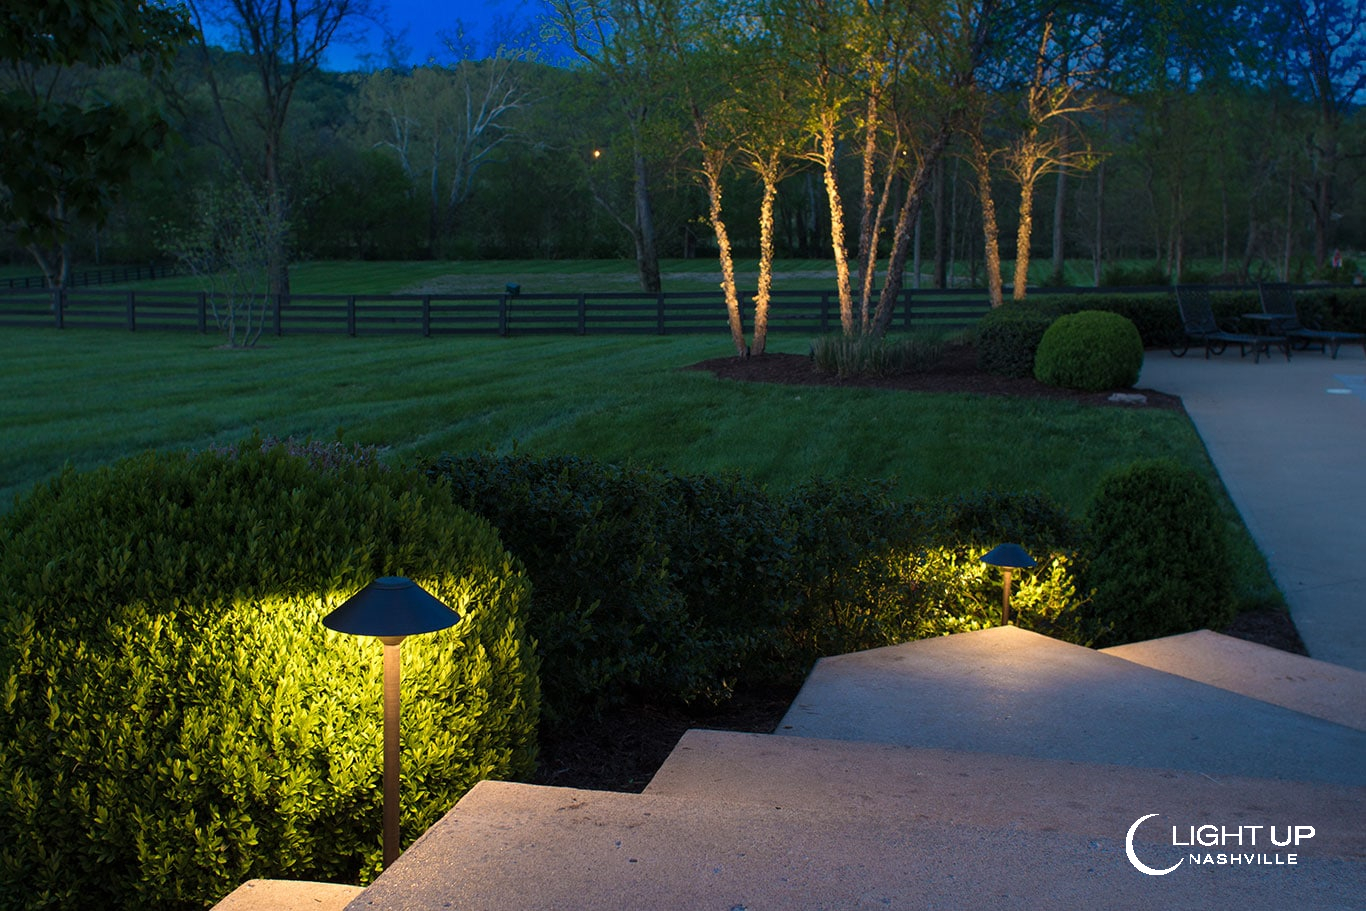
{"type": "Point", "coordinates": [989, 790]}
{"type": "Point", "coordinates": [531, 848]}
{"type": "Point", "coordinates": [288, 895]}
{"type": "Point", "coordinates": [1009, 691]}
{"type": "Point", "coordinates": [1328, 691]}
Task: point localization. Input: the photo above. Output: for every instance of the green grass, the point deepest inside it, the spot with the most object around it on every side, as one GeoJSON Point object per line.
{"type": "Point", "coordinates": [88, 397]}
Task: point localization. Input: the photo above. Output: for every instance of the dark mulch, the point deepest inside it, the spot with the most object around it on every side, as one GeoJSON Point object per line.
{"type": "Point", "coordinates": [622, 751]}
{"type": "Point", "coordinates": [956, 372]}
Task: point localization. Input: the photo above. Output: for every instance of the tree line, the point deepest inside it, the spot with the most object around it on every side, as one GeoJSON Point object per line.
{"type": "Point", "coordinates": [943, 136]}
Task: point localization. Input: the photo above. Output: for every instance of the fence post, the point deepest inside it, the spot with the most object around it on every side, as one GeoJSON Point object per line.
{"type": "Point", "coordinates": [583, 314]}
{"type": "Point", "coordinates": [279, 308]}
{"type": "Point", "coordinates": [503, 315]}
{"type": "Point", "coordinates": [659, 314]}
{"type": "Point", "coordinates": [825, 311]}
{"type": "Point", "coordinates": [907, 296]}
{"type": "Point", "coordinates": [132, 312]}
{"type": "Point", "coordinates": [351, 316]}
{"type": "Point", "coordinates": [203, 313]}
{"type": "Point", "coordinates": [426, 316]}
{"type": "Point", "coordinates": [59, 306]}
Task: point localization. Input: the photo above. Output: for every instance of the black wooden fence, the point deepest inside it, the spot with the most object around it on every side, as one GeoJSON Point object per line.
{"type": "Point", "coordinates": [106, 276]}
{"type": "Point", "coordinates": [811, 312]}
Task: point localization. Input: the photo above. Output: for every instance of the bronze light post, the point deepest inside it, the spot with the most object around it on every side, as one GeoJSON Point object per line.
{"type": "Point", "coordinates": [391, 608]}
{"type": "Point", "coordinates": [1008, 557]}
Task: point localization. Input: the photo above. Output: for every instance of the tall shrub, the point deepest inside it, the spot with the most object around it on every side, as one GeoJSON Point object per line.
{"type": "Point", "coordinates": [174, 719]}
{"type": "Point", "coordinates": [1092, 350]}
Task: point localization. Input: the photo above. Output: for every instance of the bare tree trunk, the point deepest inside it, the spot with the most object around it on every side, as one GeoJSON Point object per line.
{"type": "Point", "coordinates": [647, 257]}
{"type": "Point", "coordinates": [941, 227]}
{"type": "Point", "coordinates": [832, 191]}
{"type": "Point", "coordinates": [711, 171]}
{"type": "Point", "coordinates": [763, 292]}
{"type": "Point", "coordinates": [901, 237]}
{"type": "Point", "coordinates": [991, 232]}
{"type": "Point", "coordinates": [1059, 225]}
{"type": "Point", "coordinates": [1098, 250]}
{"type": "Point", "coordinates": [1022, 239]}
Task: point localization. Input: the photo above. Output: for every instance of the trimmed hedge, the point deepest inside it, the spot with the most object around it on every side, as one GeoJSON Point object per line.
{"type": "Point", "coordinates": [643, 580]}
{"type": "Point", "coordinates": [1092, 351]}
{"type": "Point", "coordinates": [174, 718]}
{"type": "Point", "coordinates": [1008, 336]}
{"type": "Point", "coordinates": [671, 587]}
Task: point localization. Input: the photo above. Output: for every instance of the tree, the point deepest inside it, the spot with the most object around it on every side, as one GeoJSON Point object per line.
{"type": "Point", "coordinates": [228, 246]}
{"type": "Point", "coordinates": [285, 41]}
{"type": "Point", "coordinates": [621, 41]}
{"type": "Point", "coordinates": [1048, 141]}
{"type": "Point", "coordinates": [1327, 52]}
{"type": "Point", "coordinates": [443, 124]}
{"type": "Point", "coordinates": [66, 150]}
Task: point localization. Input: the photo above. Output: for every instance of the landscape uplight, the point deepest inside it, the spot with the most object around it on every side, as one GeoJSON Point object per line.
{"type": "Point", "coordinates": [391, 608]}
{"type": "Point", "coordinates": [1008, 557]}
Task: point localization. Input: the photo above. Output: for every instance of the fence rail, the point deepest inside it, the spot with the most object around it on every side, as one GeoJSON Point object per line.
{"type": "Point", "coordinates": [504, 314]}
{"type": "Point", "coordinates": [105, 276]}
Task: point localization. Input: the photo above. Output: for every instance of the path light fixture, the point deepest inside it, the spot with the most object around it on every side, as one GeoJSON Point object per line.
{"type": "Point", "coordinates": [391, 608]}
{"type": "Point", "coordinates": [1008, 557]}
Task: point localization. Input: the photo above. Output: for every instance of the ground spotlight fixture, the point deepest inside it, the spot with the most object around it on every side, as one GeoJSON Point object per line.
{"type": "Point", "coordinates": [1008, 557]}
{"type": "Point", "coordinates": [391, 608]}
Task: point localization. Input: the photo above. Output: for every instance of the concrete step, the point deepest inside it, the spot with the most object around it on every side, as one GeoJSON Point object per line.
{"type": "Point", "coordinates": [1009, 691]}
{"type": "Point", "coordinates": [1328, 691]}
{"type": "Point", "coordinates": [991, 790]}
{"type": "Point", "coordinates": [508, 847]}
{"type": "Point", "coordinates": [287, 895]}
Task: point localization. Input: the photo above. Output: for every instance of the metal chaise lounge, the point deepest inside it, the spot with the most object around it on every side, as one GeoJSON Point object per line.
{"type": "Point", "coordinates": [1278, 301]}
{"type": "Point", "coordinates": [1201, 328]}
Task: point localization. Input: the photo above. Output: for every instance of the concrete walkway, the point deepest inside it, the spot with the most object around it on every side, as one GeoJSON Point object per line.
{"type": "Point", "coordinates": [1289, 441]}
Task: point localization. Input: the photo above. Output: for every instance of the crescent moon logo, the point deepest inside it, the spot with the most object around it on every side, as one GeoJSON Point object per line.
{"type": "Point", "coordinates": [1133, 858]}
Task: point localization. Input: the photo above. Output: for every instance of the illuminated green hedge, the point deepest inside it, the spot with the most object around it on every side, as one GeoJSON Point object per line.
{"type": "Point", "coordinates": [174, 719]}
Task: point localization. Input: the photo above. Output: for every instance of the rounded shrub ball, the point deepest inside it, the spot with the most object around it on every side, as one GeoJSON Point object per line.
{"type": "Point", "coordinates": [174, 717]}
{"type": "Point", "coordinates": [1159, 555]}
{"type": "Point", "coordinates": [1091, 351]}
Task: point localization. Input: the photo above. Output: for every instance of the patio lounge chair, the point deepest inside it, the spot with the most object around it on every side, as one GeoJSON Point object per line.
{"type": "Point", "coordinates": [1278, 301]}
{"type": "Point", "coordinates": [1200, 327]}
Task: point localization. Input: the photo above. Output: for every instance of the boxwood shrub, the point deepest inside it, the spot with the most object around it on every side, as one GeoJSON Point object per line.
{"type": "Point", "coordinates": [174, 719]}
{"type": "Point", "coordinates": [1093, 350]}
{"type": "Point", "coordinates": [1159, 561]}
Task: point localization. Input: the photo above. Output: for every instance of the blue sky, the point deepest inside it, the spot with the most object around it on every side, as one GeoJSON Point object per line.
{"type": "Point", "coordinates": [484, 22]}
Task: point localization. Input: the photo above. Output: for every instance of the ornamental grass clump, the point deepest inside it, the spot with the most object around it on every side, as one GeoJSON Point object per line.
{"type": "Point", "coordinates": [174, 718]}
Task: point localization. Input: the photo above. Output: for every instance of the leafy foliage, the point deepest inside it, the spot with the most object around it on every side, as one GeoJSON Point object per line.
{"type": "Point", "coordinates": [1092, 350]}
{"type": "Point", "coordinates": [174, 717]}
{"type": "Point", "coordinates": [1008, 336]}
{"type": "Point", "coordinates": [63, 152]}
{"type": "Point", "coordinates": [1159, 561]}
{"type": "Point", "coordinates": [637, 574]}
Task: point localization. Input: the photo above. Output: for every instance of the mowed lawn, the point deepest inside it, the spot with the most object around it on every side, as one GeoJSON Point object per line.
{"type": "Point", "coordinates": [87, 397]}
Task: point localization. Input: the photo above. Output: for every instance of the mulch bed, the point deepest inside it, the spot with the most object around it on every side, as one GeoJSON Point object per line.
{"type": "Point", "coordinates": [622, 751]}
{"type": "Point", "coordinates": [956, 372]}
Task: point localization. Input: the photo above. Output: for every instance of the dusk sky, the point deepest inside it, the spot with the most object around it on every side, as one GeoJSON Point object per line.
{"type": "Point", "coordinates": [484, 22]}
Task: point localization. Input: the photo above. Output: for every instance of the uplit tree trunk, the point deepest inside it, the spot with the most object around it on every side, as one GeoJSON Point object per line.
{"type": "Point", "coordinates": [713, 162]}
{"type": "Point", "coordinates": [1022, 241]}
{"type": "Point", "coordinates": [763, 293]}
{"type": "Point", "coordinates": [907, 216]}
{"type": "Point", "coordinates": [991, 232]}
{"type": "Point", "coordinates": [827, 150]}
{"type": "Point", "coordinates": [647, 257]}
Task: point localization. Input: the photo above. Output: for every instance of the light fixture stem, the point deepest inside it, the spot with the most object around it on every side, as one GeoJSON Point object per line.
{"type": "Point", "coordinates": [392, 683]}
{"type": "Point", "coordinates": [1005, 600]}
